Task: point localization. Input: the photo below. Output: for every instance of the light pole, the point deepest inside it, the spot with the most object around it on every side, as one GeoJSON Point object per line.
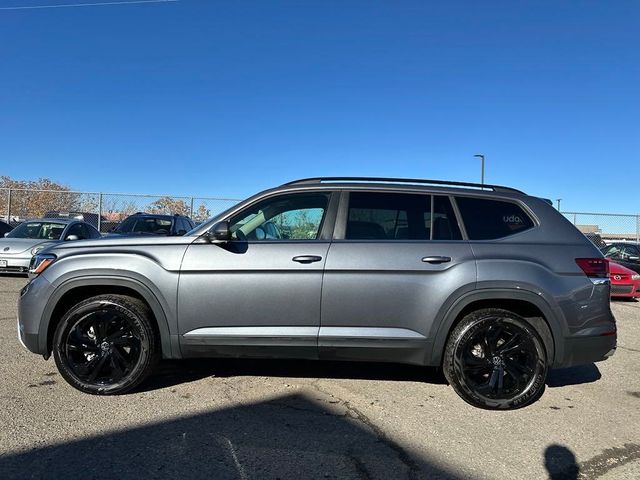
{"type": "Point", "coordinates": [558, 200]}
{"type": "Point", "coordinates": [481, 157]}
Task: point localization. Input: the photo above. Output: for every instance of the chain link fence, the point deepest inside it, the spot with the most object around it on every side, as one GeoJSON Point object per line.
{"type": "Point", "coordinates": [107, 210]}
{"type": "Point", "coordinates": [610, 227]}
{"type": "Point", "coordinates": [103, 210]}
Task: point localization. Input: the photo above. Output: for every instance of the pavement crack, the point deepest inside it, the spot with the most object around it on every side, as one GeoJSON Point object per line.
{"type": "Point", "coordinates": [609, 459]}
{"type": "Point", "coordinates": [360, 467]}
{"type": "Point", "coordinates": [629, 349]}
{"type": "Point", "coordinates": [412, 466]}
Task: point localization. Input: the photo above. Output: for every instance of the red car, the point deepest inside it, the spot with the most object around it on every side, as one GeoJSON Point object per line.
{"type": "Point", "coordinates": [624, 282]}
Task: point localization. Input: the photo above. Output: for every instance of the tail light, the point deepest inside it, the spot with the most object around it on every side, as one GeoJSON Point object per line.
{"type": "Point", "coordinates": [594, 267]}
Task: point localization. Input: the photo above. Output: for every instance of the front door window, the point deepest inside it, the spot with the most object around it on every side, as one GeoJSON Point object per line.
{"type": "Point", "coordinates": [287, 217]}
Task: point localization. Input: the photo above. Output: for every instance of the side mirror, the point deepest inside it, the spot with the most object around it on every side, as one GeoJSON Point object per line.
{"type": "Point", "coordinates": [220, 232]}
{"type": "Point", "coordinates": [70, 238]}
{"type": "Point", "coordinates": [6, 234]}
{"type": "Point", "coordinates": [181, 233]}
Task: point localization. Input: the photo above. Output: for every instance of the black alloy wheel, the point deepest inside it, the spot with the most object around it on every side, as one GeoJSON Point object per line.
{"type": "Point", "coordinates": [102, 347]}
{"type": "Point", "coordinates": [496, 360]}
{"type": "Point", "coordinates": [105, 344]}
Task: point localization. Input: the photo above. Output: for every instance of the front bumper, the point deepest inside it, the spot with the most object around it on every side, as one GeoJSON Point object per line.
{"type": "Point", "coordinates": [15, 264]}
{"type": "Point", "coordinates": [629, 290]}
{"type": "Point", "coordinates": [31, 305]}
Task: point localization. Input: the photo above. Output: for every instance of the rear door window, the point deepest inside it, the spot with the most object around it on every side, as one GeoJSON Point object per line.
{"type": "Point", "coordinates": [397, 216]}
{"type": "Point", "coordinates": [487, 219]}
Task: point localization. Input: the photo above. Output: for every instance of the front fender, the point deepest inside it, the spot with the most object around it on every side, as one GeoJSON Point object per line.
{"type": "Point", "coordinates": [169, 343]}
{"type": "Point", "coordinates": [155, 284]}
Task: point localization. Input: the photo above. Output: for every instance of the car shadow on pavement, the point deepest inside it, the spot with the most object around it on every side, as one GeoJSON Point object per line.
{"type": "Point", "coordinates": [175, 372]}
{"type": "Point", "coordinates": [563, 377]}
{"type": "Point", "coordinates": [291, 436]}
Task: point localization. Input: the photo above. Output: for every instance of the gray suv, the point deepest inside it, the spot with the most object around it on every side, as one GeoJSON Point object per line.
{"type": "Point", "coordinates": [492, 285]}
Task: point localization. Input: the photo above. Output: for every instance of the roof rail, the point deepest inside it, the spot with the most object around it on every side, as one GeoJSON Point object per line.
{"type": "Point", "coordinates": [421, 181]}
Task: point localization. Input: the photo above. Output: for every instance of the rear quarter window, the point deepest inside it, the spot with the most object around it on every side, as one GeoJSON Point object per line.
{"type": "Point", "coordinates": [487, 219]}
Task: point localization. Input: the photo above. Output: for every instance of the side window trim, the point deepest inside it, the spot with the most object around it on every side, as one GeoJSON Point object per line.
{"type": "Point", "coordinates": [461, 225]}
{"type": "Point", "coordinates": [328, 224]}
{"type": "Point", "coordinates": [340, 230]}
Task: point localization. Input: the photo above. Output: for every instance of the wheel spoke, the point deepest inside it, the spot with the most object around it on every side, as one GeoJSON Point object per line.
{"type": "Point", "coordinates": [78, 337]}
{"type": "Point", "coordinates": [486, 350]}
{"type": "Point", "coordinates": [98, 327]}
{"type": "Point", "coordinates": [514, 343]}
{"type": "Point", "coordinates": [117, 335]}
{"type": "Point", "coordinates": [517, 377]}
{"type": "Point", "coordinates": [500, 379]}
{"type": "Point", "coordinates": [493, 381]}
{"type": "Point", "coordinates": [120, 359]}
{"type": "Point", "coordinates": [83, 348]}
{"type": "Point", "coordinates": [492, 336]}
{"type": "Point", "coordinates": [477, 369]}
{"type": "Point", "coordinates": [471, 359]}
{"type": "Point", "coordinates": [98, 368]}
{"type": "Point", "coordinates": [116, 367]}
{"type": "Point", "coordinates": [127, 341]}
{"type": "Point", "coordinates": [524, 370]}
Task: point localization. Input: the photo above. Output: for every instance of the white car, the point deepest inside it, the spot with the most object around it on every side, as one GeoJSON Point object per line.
{"type": "Point", "coordinates": [23, 242]}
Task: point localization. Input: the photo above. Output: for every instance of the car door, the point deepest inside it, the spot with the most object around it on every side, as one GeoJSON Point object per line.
{"type": "Point", "coordinates": [259, 294]}
{"type": "Point", "coordinates": [395, 259]}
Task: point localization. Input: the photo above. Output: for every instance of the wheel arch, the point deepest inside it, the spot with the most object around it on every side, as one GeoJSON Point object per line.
{"type": "Point", "coordinates": [526, 304]}
{"type": "Point", "coordinates": [72, 291]}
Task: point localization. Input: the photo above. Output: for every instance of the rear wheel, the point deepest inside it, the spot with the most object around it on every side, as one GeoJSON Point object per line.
{"type": "Point", "coordinates": [105, 344]}
{"type": "Point", "coordinates": [495, 359]}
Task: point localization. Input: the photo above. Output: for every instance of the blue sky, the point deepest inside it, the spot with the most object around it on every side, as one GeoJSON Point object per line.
{"type": "Point", "coordinates": [208, 97]}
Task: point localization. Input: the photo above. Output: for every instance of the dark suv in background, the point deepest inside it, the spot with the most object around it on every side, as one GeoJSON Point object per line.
{"type": "Point", "coordinates": [154, 224]}
{"type": "Point", "coordinates": [490, 284]}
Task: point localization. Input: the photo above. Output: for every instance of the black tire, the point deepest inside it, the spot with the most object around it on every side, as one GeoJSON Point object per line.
{"type": "Point", "coordinates": [106, 345]}
{"type": "Point", "coordinates": [496, 360]}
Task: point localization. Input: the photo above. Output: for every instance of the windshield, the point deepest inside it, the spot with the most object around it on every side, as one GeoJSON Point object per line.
{"type": "Point", "coordinates": [149, 225]}
{"type": "Point", "coordinates": [38, 230]}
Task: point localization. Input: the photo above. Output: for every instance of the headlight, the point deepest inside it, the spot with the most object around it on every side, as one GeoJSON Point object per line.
{"type": "Point", "coordinates": [635, 277]}
{"type": "Point", "coordinates": [39, 263]}
{"type": "Point", "coordinates": [35, 250]}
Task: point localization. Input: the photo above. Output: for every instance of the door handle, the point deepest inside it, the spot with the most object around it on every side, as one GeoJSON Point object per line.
{"type": "Point", "coordinates": [306, 258]}
{"type": "Point", "coordinates": [436, 259]}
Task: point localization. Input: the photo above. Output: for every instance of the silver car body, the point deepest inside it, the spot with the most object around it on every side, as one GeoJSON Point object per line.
{"type": "Point", "coordinates": [362, 300]}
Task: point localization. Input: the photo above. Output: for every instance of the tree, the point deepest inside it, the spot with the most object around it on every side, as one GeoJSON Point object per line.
{"type": "Point", "coordinates": [201, 214]}
{"type": "Point", "coordinates": [33, 198]}
{"type": "Point", "coordinates": [169, 206]}
{"type": "Point", "coordinates": [115, 209]}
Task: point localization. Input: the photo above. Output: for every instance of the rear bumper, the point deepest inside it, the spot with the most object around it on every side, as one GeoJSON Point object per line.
{"type": "Point", "coordinates": [583, 350]}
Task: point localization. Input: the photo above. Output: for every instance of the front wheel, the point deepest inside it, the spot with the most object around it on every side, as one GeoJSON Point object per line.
{"type": "Point", "coordinates": [105, 345]}
{"type": "Point", "coordinates": [495, 359]}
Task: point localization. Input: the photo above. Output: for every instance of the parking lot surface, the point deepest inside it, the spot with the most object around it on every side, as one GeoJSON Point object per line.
{"type": "Point", "coordinates": [242, 419]}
